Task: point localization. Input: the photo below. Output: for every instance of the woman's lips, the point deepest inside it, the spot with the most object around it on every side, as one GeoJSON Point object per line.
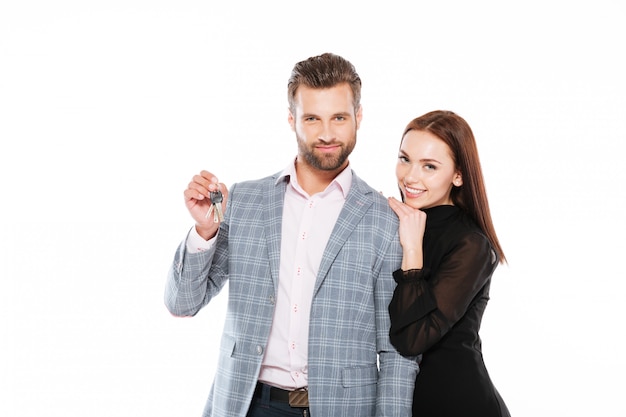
{"type": "Point", "coordinates": [413, 192]}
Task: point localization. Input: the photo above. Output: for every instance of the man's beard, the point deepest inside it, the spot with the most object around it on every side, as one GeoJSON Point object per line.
{"type": "Point", "coordinates": [325, 162]}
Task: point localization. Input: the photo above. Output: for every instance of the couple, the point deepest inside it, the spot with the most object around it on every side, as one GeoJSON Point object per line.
{"type": "Point", "coordinates": [343, 303]}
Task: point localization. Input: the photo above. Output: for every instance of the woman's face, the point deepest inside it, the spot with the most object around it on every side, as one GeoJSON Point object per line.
{"type": "Point", "coordinates": [426, 171]}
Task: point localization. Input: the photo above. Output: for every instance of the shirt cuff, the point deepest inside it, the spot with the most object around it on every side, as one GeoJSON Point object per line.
{"type": "Point", "coordinates": [197, 244]}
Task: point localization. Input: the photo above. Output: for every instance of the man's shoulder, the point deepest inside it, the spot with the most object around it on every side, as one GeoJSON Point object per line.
{"type": "Point", "coordinates": [379, 204]}
{"type": "Point", "coordinates": [255, 184]}
{"type": "Point", "coordinates": [363, 187]}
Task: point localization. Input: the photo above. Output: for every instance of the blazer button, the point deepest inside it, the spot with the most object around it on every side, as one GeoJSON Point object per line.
{"type": "Point", "coordinates": [272, 300]}
{"type": "Point", "coordinates": [259, 349]}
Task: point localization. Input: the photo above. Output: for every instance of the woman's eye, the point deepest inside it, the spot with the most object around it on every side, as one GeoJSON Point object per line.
{"type": "Point", "coordinates": [430, 167]}
{"type": "Point", "coordinates": [403, 158]}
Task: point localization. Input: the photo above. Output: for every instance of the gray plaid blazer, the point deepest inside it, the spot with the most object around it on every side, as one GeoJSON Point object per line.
{"type": "Point", "coordinates": [353, 370]}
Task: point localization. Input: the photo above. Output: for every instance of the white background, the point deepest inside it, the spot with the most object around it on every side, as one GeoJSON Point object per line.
{"type": "Point", "coordinates": [108, 108]}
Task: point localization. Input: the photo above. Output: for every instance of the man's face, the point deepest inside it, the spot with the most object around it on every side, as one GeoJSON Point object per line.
{"type": "Point", "coordinates": [325, 124]}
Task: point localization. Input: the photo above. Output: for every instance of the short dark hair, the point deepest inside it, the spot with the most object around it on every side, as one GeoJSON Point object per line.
{"type": "Point", "coordinates": [324, 71]}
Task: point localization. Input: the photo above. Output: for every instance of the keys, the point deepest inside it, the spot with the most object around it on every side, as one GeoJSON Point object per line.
{"type": "Point", "coordinates": [216, 206]}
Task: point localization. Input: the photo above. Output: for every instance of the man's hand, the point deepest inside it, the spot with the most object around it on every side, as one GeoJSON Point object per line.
{"type": "Point", "coordinates": [198, 202]}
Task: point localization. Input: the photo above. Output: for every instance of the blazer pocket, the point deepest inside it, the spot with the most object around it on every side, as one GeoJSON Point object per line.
{"type": "Point", "coordinates": [227, 347]}
{"type": "Point", "coordinates": [359, 376]}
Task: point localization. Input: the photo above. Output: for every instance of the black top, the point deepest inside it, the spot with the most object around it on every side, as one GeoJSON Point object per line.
{"type": "Point", "coordinates": [436, 311]}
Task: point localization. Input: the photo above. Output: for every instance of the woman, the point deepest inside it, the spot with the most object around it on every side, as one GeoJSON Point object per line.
{"type": "Point", "coordinates": [450, 250]}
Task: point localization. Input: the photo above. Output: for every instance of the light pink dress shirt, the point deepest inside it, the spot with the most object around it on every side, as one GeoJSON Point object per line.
{"type": "Point", "coordinates": [306, 227]}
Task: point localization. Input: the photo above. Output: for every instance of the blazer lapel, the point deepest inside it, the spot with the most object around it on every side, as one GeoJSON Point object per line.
{"type": "Point", "coordinates": [357, 204]}
{"type": "Point", "coordinates": [273, 206]}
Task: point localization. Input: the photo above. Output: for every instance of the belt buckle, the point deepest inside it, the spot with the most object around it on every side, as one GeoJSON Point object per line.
{"type": "Point", "coordinates": [299, 398]}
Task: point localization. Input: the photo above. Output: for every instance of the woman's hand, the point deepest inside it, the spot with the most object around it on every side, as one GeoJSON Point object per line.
{"type": "Point", "coordinates": [411, 231]}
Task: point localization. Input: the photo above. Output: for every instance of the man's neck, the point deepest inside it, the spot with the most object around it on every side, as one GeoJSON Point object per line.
{"type": "Point", "coordinates": [313, 180]}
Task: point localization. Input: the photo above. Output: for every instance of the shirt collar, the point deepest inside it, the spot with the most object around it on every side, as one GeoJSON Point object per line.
{"type": "Point", "coordinates": [343, 181]}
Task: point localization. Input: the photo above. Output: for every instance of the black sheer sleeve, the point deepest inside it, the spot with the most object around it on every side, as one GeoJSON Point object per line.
{"type": "Point", "coordinates": [426, 304]}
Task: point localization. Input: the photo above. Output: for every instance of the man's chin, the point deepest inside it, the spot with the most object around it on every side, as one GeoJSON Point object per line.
{"type": "Point", "coordinates": [330, 165]}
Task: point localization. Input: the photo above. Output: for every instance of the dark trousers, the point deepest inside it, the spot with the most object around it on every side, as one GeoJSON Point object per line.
{"type": "Point", "coordinates": [263, 406]}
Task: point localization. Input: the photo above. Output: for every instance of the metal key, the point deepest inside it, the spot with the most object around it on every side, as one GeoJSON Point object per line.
{"type": "Point", "coordinates": [216, 198]}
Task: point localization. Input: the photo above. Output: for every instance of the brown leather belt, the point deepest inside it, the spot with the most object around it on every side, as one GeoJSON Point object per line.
{"type": "Point", "coordinates": [298, 398]}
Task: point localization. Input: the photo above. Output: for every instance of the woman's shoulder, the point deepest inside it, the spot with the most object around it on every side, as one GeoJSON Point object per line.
{"type": "Point", "coordinates": [457, 227]}
{"type": "Point", "coordinates": [472, 239]}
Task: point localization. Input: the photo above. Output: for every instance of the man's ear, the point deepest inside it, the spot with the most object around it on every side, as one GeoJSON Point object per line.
{"type": "Point", "coordinates": [359, 116]}
{"type": "Point", "coordinates": [291, 120]}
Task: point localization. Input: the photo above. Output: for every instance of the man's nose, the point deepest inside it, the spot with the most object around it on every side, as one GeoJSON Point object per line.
{"type": "Point", "coordinates": [327, 133]}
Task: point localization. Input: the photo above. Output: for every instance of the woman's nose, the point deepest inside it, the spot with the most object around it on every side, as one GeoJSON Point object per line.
{"type": "Point", "coordinates": [412, 173]}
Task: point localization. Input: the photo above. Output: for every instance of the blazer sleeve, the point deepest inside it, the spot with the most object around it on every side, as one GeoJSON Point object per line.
{"type": "Point", "coordinates": [195, 278]}
{"type": "Point", "coordinates": [397, 374]}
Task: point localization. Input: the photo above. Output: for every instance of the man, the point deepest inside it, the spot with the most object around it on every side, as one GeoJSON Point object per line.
{"type": "Point", "coordinates": [309, 254]}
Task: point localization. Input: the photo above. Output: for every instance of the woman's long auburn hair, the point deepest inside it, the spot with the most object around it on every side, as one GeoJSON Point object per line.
{"type": "Point", "coordinates": [471, 197]}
